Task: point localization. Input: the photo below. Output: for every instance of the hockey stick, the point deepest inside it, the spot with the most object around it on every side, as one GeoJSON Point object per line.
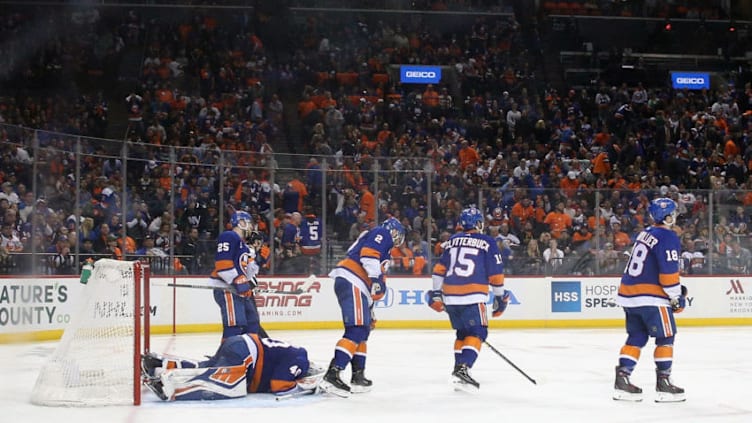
{"type": "Point", "coordinates": [232, 289]}
{"type": "Point", "coordinates": [295, 394]}
{"type": "Point", "coordinates": [510, 362]}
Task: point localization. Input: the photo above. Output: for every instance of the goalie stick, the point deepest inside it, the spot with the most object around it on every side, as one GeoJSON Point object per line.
{"type": "Point", "coordinates": [295, 394]}
{"type": "Point", "coordinates": [214, 285]}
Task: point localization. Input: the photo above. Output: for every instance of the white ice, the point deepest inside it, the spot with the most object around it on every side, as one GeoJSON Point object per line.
{"type": "Point", "coordinates": [410, 369]}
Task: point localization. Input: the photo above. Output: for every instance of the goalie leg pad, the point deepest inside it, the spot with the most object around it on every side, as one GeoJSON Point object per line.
{"type": "Point", "coordinates": [154, 364]}
{"type": "Point", "coordinates": [205, 384]}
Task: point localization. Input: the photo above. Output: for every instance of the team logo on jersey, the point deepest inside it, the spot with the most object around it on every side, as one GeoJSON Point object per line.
{"type": "Point", "coordinates": [566, 297]}
{"type": "Point", "coordinates": [243, 261]}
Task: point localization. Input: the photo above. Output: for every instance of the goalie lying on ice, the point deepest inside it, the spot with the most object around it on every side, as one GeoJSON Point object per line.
{"type": "Point", "coordinates": [243, 364]}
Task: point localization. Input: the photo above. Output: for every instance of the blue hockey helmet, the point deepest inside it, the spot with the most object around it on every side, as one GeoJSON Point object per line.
{"type": "Point", "coordinates": [396, 230]}
{"type": "Point", "coordinates": [471, 218]}
{"type": "Point", "coordinates": [663, 211]}
{"type": "Point", "coordinates": [241, 219]}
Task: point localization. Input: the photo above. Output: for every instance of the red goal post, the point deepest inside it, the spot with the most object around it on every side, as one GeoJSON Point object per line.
{"type": "Point", "coordinates": [97, 361]}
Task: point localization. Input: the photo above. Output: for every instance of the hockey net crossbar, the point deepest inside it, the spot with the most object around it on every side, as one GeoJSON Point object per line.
{"type": "Point", "coordinates": [97, 361]}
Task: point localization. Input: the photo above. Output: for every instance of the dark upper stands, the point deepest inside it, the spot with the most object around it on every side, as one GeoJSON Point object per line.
{"type": "Point", "coordinates": [211, 85]}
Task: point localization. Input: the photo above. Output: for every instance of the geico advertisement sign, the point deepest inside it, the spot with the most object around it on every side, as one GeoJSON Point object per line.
{"type": "Point", "coordinates": [690, 80]}
{"type": "Point", "coordinates": [420, 74]}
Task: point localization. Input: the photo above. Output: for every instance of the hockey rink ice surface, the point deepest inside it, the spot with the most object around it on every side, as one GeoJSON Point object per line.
{"type": "Point", "coordinates": [410, 369]}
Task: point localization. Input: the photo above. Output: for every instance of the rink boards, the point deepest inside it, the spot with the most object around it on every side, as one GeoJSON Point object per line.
{"type": "Point", "coordinates": [38, 308]}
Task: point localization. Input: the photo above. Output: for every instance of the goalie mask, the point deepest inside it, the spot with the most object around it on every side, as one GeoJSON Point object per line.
{"type": "Point", "coordinates": [255, 240]}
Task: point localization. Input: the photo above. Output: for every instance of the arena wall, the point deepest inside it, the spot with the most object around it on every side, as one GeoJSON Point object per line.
{"type": "Point", "coordinates": [38, 308]}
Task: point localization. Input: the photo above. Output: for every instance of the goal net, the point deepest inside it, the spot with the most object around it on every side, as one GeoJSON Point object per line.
{"type": "Point", "coordinates": [97, 361]}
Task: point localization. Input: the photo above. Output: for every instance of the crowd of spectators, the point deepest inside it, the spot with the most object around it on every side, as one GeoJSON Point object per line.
{"type": "Point", "coordinates": [685, 9]}
{"type": "Point", "coordinates": [563, 174]}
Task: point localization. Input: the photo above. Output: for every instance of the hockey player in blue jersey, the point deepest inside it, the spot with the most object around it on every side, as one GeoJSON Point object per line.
{"type": "Point", "coordinates": [471, 261]}
{"type": "Point", "coordinates": [650, 294]}
{"type": "Point", "coordinates": [243, 364]}
{"type": "Point", "coordinates": [235, 265]}
{"type": "Point", "coordinates": [358, 282]}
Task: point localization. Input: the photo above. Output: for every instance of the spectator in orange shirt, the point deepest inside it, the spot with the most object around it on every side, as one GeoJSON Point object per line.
{"type": "Point", "coordinates": [601, 165]}
{"type": "Point", "coordinates": [730, 149]}
{"type": "Point", "coordinates": [580, 236]}
{"type": "Point", "coordinates": [570, 184]}
{"type": "Point", "coordinates": [467, 155]}
{"type": "Point", "coordinates": [404, 261]}
{"type": "Point", "coordinates": [522, 211]}
{"type": "Point", "coordinates": [438, 248]}
{"type": "Point", "coordinates": [617, 182]}
{"type": "Point", "coordinates": [384, 134]}
{"type": "Point", "coordinates": [592, 222]}
{"type": "Point", "coordinates": [305, 107]}
{"type": "Point", "coordinates": [621, 238]}
{"type": "Point", "coordinates": [539, 212]}
{"type": "Point", "coordinates": [431, 98]}
{"type": "Point", "coordinates": [367, 203]}
{"type": "Point", "coordinates": [300, 187]}
{"type": "Point", "coordinates": [557, 220]}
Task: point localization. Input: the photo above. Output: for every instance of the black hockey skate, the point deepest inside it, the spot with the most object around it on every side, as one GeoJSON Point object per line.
{"type": "Point", "coordinates": [333, 384]}
{"type": "Point", "coordinates": [623, 388]}
{"type": "Point", "coordinates": [155, 385]}
{"type": "Point", "coordinates": [359, 383]}
{"type": "Point", "coordinates": [665, 389]}
{"type": "Point", "coordinates": [462, 381]}
{"type": "Point", "coordinates": [149, 363]}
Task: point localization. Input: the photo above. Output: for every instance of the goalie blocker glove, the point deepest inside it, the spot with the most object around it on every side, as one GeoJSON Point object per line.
{"type": "Point", "coordinates": [500, 304]}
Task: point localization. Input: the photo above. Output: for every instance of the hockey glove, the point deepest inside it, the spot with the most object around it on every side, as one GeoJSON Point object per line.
{"type": "Point", "coordinates": [378, 288]}
{"type": "Point", "coordinates": [500, 304]}
{"type": "Point", "coordinates": [373, 319]}
{"type": "Point", "coordinates": [243, 286]}
{"type": "Point", "coordinates": [436, 300]}
{"type": "Point", "coordinates": [678, 303]}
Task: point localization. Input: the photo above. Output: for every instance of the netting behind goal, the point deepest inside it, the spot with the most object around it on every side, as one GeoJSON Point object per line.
{"type": "Point", "coordinates": [97, 360]}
